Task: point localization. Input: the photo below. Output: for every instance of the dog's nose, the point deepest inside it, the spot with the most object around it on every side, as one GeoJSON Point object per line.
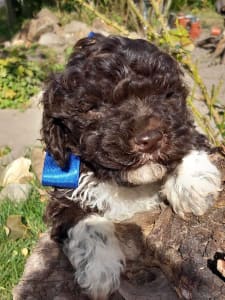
{"type": "Point", "coordinates": [148, 140]}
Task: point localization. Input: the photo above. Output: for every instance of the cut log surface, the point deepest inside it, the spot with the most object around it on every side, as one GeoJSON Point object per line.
{"type": "Point", "coordinates": [187, 251]}
{"type": "Point", "coordinates": [184, 259]}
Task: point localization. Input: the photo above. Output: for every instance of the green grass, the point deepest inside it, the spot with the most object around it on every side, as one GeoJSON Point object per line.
{"type": "Point", "coordinates": [11, 258]}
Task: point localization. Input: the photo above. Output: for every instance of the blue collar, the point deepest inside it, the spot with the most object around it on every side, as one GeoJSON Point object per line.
{"type": "Point", "coordinates": [67, 177]}
{"type": "Point", "coordinates": [91, 35]}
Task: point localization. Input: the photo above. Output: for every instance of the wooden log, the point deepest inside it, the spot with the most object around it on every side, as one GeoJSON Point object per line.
{"type": "Point", "coordinates": [186, 252]}
{"type": "Point", "coordinates": [190, 253]}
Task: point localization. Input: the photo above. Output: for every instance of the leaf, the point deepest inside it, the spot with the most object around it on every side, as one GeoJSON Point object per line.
{"type": "Point", "coordinates": [9, 93]}
{"type": "Point", "coordinates": [5, 150]}
{"type": "Point", "coordinates": [3, 73]}
{"type": "Point", "coordinates": [20, 70]}
{"type": "Point", "coordinates": [24, 252]}
{"type": "Point", "coordinates": [29, 73]}
{"type": "Point", "coordinates": [16, 227]}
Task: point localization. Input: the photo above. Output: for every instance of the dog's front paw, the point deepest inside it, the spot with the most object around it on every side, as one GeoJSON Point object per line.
{"type": "Point", "coordinates": [94, 251]}
{"type": "Point", "coordinates": [147, 173]}
{"type": "Point", "coordinates": [194, 186]}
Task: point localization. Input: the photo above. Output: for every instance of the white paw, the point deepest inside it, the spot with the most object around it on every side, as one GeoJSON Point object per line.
{"type": "Point", "coordinates": [194, 186]}
{"type": "Point", "coordinates": [94, 251]}
{"type": "Point", "coordinates": [148, 173]}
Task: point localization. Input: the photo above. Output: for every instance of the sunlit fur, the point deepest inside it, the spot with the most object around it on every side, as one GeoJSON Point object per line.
{"type": "Point", "coordinates": [111, 90]}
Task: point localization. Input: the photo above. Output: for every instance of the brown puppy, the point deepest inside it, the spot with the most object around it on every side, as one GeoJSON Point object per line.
{"type": "Point", "coordinates": [120, 104]}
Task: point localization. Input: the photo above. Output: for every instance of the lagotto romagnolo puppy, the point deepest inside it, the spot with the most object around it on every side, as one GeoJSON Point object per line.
{"type": "Point", "coordinates": [120, 104]}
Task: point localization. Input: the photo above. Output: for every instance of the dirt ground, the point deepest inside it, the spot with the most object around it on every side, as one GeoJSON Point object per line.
{"type": "Point", "coordinates": [211, 71]}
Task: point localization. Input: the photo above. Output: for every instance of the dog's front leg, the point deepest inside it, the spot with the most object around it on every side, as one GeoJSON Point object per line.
{"type": "Point", "coordinates": [94, 251]}
{"type": "Point", "coordinates": [90, 243]}
{"type": "Point", "coordinates": [194, 185]}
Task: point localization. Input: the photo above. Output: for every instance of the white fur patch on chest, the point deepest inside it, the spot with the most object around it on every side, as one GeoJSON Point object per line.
{"type": "Point", "coordinates": [116, 202]}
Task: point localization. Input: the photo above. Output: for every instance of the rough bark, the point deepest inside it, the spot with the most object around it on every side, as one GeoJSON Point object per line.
{"type": "Point", "coordinates": [187, 251]}
{"type": "Point", "coordinates": [190, 253]}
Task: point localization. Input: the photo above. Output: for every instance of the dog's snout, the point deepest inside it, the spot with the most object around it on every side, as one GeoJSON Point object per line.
{"type": "Point", "coordinates": [148, 140]}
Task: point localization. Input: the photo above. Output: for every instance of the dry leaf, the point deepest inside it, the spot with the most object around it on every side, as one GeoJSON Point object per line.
{"type": "Point", "coordinates": [16, 227]}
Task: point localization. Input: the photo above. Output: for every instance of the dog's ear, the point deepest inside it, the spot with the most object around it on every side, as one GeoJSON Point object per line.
{"type": "Point", "coordinates": [55, 137]}
{"type": "Point", "coordinates": [54, 132]}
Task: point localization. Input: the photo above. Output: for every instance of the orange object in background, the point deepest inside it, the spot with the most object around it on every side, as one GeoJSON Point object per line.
{"type": "Point", "coordinates": [191, 23]}
{"type": "Point", "coordinates": [183, 21]}
{"type": "Point", "coordinates": [195, 29]}
{"type": "Point", "coordinates": [215, 31]}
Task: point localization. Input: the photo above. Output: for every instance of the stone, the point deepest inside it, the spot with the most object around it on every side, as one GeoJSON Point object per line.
{"type": "Point", "coordinates": [75, 27]}
{"type": "Point", "coordinates": [45, 22]}
{"type": "Point", "coordinates": [45, 13]}
{"type": "Point", "coordinates": [51, 39]}
{"type": "Point", "coordinates": [16, 192]}
{"type": "Point", "coordinates": [16, 172]}
{"type": "Point", "coordinates": [74, 31]}
{"type": "Point", "coordinates": [37, 28]}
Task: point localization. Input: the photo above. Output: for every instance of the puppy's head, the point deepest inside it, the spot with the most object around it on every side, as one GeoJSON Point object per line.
{"type": "Point", "coordinates": [119, 104]}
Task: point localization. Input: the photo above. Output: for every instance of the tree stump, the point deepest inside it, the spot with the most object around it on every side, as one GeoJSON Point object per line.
{"type": "Point", "coordinates": [183, 259]}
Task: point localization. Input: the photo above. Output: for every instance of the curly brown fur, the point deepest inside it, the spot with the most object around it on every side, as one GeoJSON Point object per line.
{"type": "Point", "coordinates": [120, 104]}
{"type": "Point", "coordinates": [113, 90]}
{"type": "Point", "coordinates": [62, 214]}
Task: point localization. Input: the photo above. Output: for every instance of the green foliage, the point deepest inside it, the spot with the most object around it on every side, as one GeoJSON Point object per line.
{"type": "Point", "coordinates": [4, 151]}
{"type": "Point", "coordinates": [69, 5]}
{"type": "Point", "coordinates": [22, 72]}
{"type": "Point", "coordinates": [13, 256]}
{"type": "Point", "coordinates": [19, 79]}
{"type": "Point", "coordinates": [180, 4]}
